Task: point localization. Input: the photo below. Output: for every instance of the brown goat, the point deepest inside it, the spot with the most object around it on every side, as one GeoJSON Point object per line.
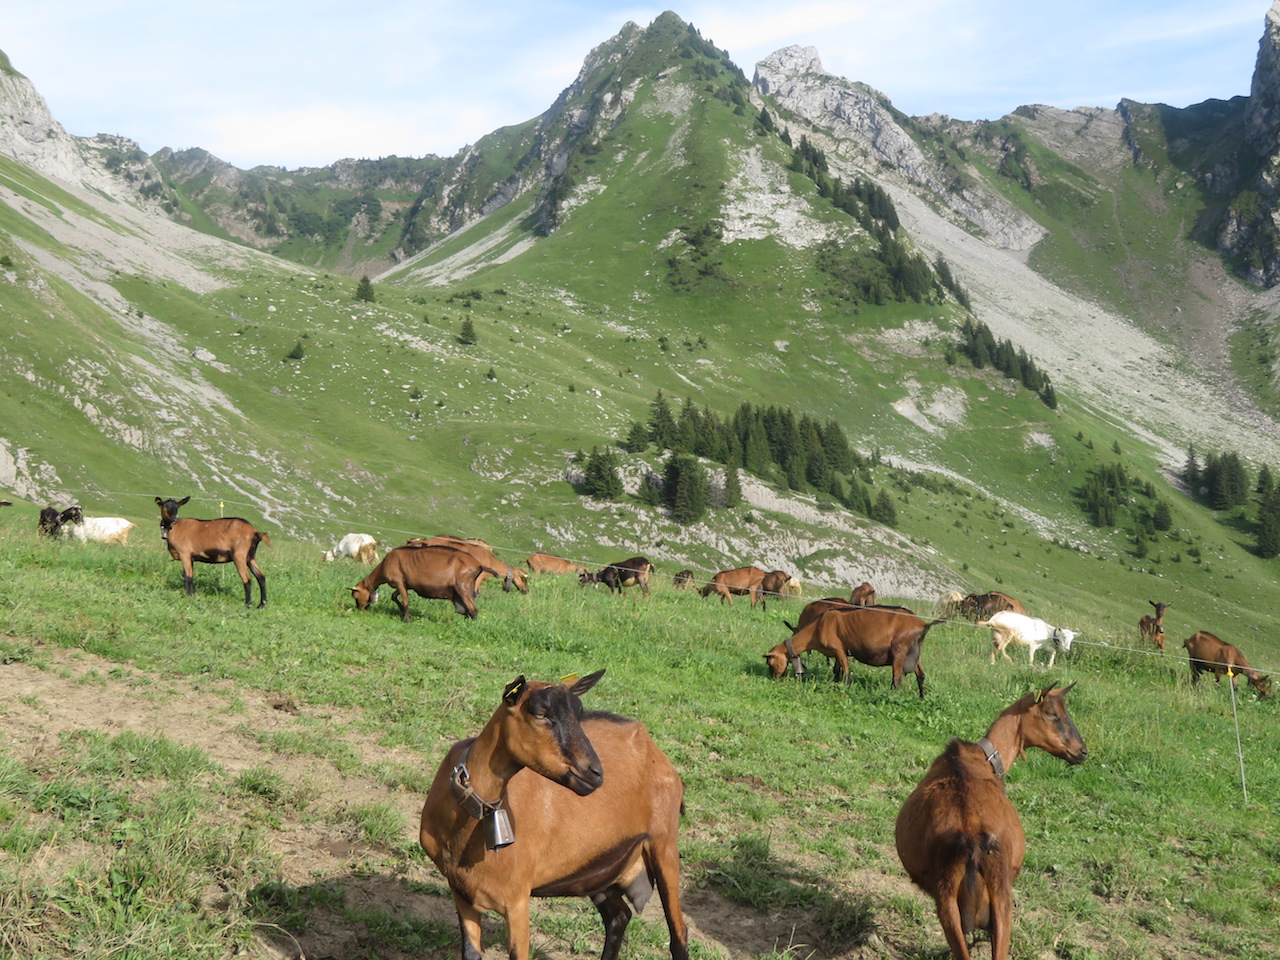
{"type": "Point", "coordinates": [776, 583]}
{"type": "Point", "coordinates": [816, 608]}
{"type": "Point", "coordinates": [633, 572]}
{"type": "Point", "coordinates": [549, 563]}
{"type": "Point", "coordinates": [863, 595]}
{"type": "Point", "coordinates": [739, 582]}
{"type": "Point", "coordinates": [436, 573]}
{"type": "Point", "coordinates": [224, 540]}
{"type": "Point", "coordinates": [595, 809]}
{"type": "Point", "coordinates": [980, 606]}
{"type": "Point", "coordinates": [1152, 628]}
{"type": "Point", "coordinates": [511, 576]}
{"type": "Point", "coordinates": [877, 636]}
{"type": "Point", "coordinates": [1210, 655]}
{"type": "Point", "coordinates": [959, 837]}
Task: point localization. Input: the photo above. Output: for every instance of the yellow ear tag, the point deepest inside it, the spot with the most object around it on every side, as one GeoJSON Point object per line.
{"type": "Point", "coordinates": [569, 678]}
{"type": "Point", "coordinates": [1230, 673]}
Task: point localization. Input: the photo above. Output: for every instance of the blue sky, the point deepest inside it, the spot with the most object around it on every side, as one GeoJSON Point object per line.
{"type": "Point", "coordinates": [295, 84]}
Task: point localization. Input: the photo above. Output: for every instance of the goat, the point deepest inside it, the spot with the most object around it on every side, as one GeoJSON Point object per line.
{"type": "Point", "coordinates": [958, 835]}
{"type": "Point", "coordinates": [863, 595]}
{"type": "Point", "coordinates": [777, 583]}
{"type": "Point", "coordinates": [683, 580]}
{"type": "Point", "coordinates": [1210, 655]}
{"type": "Point", "coordinates": [739, 582]}
{"type": "Point", "coordinates": [981, 606]}
{"type": "Point", "coordinates": [877, 636]}
{"type": "Point", "coordinates": [1009, 627]}
{"type": "Point", "coordinates": [595, 803]}
{"type": "Point", "coordinates": [634, 572]}
{"type": "Point", "coordinates": [432, 572]}
{"type": "Point", "coordinates": [1152, 628]}
{"type": "Point", "coordinates": [225, 540]}
{"type": "Point", "coordinates": [98, 529]}
{"type": "Point", "coordinates": [49, 522]}
{"type": "Point", "coordinates": [549, 563]}
{"type": "Point", "coordinates": [484, 556]}
{"type": "Point", "coordinates": [816, 608]}
{"type": "Point", "coordinates": [357, 546]}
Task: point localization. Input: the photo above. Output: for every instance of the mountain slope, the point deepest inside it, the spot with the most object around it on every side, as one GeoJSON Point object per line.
{"type": "Point", "coordinates": [664, 226]}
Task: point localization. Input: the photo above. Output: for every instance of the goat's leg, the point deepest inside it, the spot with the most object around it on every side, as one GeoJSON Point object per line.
{"type": "Point", "coordinates": [616, 915]}
{"type": "Point", "coordinates": [517, 917]}
{"type": "Point", "coordinates": [952, 928]}
{"type": "Point", "coordinates": [262, 581]}
{"type": "Point", "coordinates": [188, 584]}
{"type": "Point", "coordinates": [469, 925]}
{"type": "Point", "coordinates": [242, 568]}
{"type": "Point", "coordinates": [663, 862]}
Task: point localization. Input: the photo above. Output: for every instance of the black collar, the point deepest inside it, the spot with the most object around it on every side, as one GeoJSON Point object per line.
{"type": "Point", "coordinates": [993, 758]}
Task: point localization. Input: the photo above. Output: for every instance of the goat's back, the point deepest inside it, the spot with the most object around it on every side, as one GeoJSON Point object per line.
{"type": "Point", "coordinates": [870, 634]}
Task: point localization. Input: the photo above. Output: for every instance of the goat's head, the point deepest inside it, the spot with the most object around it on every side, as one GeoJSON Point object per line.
{"type": "Point", "coordinates": [1046, 724]}
{"type": "Point", "coordinates": [1260, 682]}
{"type": "Point", "coordinates": [541, 727]}
{"type": "Point", "coordinates": [1063, 637]}
{"type": "Point", "coordinates": [169, 510]}
{"type": "Point", "coordinates": [363, 596]}
{"type": "Point", "coordinates": [72, 514]}
{"type": "Point", "coordinates": [586, 577]}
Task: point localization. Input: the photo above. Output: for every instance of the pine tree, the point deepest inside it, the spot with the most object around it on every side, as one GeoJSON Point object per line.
{"type": "Point", "coordinates": [686, 487]}
{"type": "Point", "coordinates": [662, 425]}
{"type": "Point", "coordinates": [467, 333]}
{"type": "Point", "coordinates": [601, 479]}
{"type": "Point", "coordinates": [364, 290]}
{"type": "Point", "coordinates": [883, 510]}
{"type": "Point", "coordinates": [732, 487]}
{"type": "Point", "coordinates": [1163, 519]}
{"type": "Point", "coordinates": [1268, 543]}
{"type": "Point", "coordinates": [637, 439]}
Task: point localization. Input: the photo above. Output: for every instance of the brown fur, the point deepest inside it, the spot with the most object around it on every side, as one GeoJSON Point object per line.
{"type": "Point", "coordinates": [980, 606]}
{"type": "Point", "coordinates": [863, 595]}
{"type": "Point", "coordinates": [549, 563]}
{"type": "Point", "coordinates": [683, 580]}
{"type": "Point", "coordinates": [511, 576]}
{"type": "Point", "coordinates": [1211, 655]}
{"type": "Point", "coordinates": [634, 572]}
{"type": "Point", "coordinates": [959, 837]}
{"type": "Point", "coordinates": [1152, 628]}
{"type": "Point", "coordinates": [594, 805]}
{"type": "Point", "coordinates": [776, 583]}
{"type": "Point", "coordinates": [225, 540]}
{"type": "Point", "coordinates": [739, 582]}
{"type": "Point", "coordinates": [877, 636]}
{"type": "Point", "coordinates": [436, 573]}
{"type": "Point", "coordinates": [816, 608]}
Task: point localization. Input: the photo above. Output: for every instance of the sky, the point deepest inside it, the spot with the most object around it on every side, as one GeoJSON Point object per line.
{"type": "Point", "coordinates": [296, 84]}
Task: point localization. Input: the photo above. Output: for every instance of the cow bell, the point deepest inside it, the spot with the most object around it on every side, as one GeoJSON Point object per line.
{"type": "Point", "coordinates": [497, 830]}
{"type": "Point", "coordinates": [797, 667]}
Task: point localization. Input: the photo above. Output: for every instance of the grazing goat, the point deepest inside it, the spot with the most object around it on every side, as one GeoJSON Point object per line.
{"type": "Point", "coordinates": [357, 546]}
{"type": "Point", "coordinates": [1210, 655]}
{"type": "Point", "coordinates": [950, 605]}
{"type": "Point", "coordinates": [98, 529]}
{"type": "Point", "coordinates": [595, 809]}
{"type": "Point", "coordinates": [1008, 627]}
{"type": "Point", "coordinates": [49, 522]}
{"type": "Point", "coordinates": [777, 583]}
{"type": "Point", "coordinates": [981, 606]}
{"type": "Point", "coordinates": [877, 636]}
{"type": "Point", "coordinates": [863, 595]}
{"type": "Point", "coordinates": [683, 580]}
{"type": "Point", "coordinates": [816, 608]}
{"type": "Point", "coordinates": [225, 540]}
{"type": "Point", "coordinates": [739, 582]}
{"type": "Point", "coordinates": [435, 573]}
{"type": "Point", "coordinates": [1152, 628]}
{"type": "Point", "coordinates": [549, 563]}
{"type": "Point", "coordinates": [958, 835]}
{"type": "Point", "coordinates": [634, 572]}
{"type": "Point", "coordinates": [484, 555]}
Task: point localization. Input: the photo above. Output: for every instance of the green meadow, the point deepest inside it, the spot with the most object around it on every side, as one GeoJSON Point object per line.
{"type": "Point", "coordinates": [112, 838]}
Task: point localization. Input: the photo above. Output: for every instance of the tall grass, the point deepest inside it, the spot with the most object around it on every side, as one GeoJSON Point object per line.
{"type": "Point", "coordinates": [792, 787]}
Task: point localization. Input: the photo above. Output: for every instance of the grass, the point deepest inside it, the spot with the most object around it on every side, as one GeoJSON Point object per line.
{"type": "Point", "coordinates": [792, 787]}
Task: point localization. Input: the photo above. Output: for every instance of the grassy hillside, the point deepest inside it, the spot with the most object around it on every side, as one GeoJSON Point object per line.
{"type": "Point", "coordinates": [1148, 849]}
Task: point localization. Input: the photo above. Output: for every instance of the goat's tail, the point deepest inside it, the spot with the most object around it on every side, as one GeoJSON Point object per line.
{"type": "Point", "coordinates": [263, 538]}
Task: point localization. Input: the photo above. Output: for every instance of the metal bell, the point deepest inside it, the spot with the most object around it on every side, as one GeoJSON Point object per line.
{"type": "Point", "coordinates": [797, 667]}
{"type": "Point", "coordinates": [497, 830]}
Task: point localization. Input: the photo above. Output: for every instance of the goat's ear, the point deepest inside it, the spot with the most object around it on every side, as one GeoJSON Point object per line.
{"type": "Point", "coordinates": [586, 683]}
{"type": "Point", "coordinates": [513, 691]}
{"type": "Point", "coordinates": [1068, 687]}
{"type": "Point", "coordinates": [1044, 692]}
{"type": "Point", "coordinates": [159, 502]}
{"type": "Point", "coordinates": [183, 501]}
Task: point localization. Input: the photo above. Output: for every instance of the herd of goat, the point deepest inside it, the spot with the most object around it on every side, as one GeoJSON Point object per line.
{"type": "Point", "coordinates": [538, 764]}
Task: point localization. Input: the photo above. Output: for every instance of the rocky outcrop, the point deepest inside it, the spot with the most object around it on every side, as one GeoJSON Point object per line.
{"type": "Point", "coordinates": [30, 135]}
{"type": "Point", "coordinates": [868, 131]}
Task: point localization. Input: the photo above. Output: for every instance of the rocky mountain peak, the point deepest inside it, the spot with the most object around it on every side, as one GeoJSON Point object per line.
{"type": "Point", "coordinates": [1262, 117]}
{"type": "Point", "coordinates": [793, 61]}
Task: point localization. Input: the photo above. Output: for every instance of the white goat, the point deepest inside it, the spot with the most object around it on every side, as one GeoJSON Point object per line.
{"type": "Point", "coordinates": [358, 546]}
{"type": "Point", "coordinates": [1008, 627]}
{"type": "Point", "coordinates": [99, 530]}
